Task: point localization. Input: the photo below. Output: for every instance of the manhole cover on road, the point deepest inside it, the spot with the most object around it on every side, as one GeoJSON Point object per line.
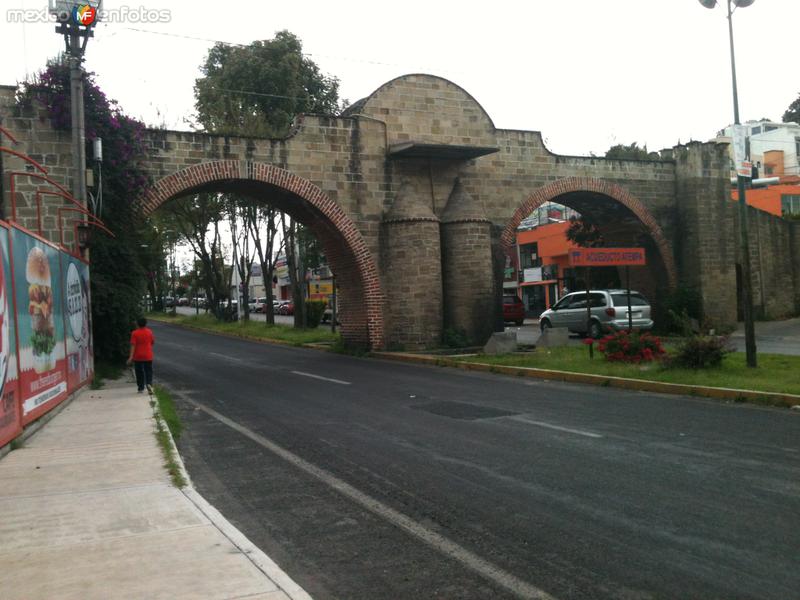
{"type": "Point", "coordinates": [462, 410]}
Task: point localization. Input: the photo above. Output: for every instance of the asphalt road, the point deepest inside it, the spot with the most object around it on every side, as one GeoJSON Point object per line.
{"type": "Point", "coordinates": [392, 481]}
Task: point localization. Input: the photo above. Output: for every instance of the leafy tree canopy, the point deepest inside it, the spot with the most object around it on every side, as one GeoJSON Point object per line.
{"type": "Point", "coordinates": [258, 89]}
{"type": "Point", "coordinates": [584, 234]}
{"type": "Point", "coordinates": [792, 114]}
{"type": "Point", "coordinates": [631, 152]}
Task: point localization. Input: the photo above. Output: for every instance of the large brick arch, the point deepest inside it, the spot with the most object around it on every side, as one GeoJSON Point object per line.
{"type": "Point", "coordinates": [614, 191]}
{"type": "Point", "coordinates": [363, 322]}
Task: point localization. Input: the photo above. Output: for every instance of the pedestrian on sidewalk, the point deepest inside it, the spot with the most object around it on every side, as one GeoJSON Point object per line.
{"type": "Point", "coordinates": [141, 356]}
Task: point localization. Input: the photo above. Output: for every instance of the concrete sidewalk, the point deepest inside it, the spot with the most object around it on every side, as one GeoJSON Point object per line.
{"type": "Point", "coordinates": [87, 510]}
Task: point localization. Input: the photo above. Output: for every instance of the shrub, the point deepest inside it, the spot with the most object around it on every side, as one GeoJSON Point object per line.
{"type": "Point", "coordinates": [314, 311]}
{"type": "Point", "coordinates": [682, 307]}
{"type": "Point", "coordinates": [455, 338]}
{"type": "Point", "coordinates": [701, 352]}
{"type": "Point", "coordinates": [631, 347]}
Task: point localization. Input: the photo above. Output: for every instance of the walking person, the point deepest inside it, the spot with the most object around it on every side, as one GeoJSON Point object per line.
{"type": "Point", "coordinates": [141, 356]}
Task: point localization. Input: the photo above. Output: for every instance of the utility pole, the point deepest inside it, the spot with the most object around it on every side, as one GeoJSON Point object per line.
{"type": "Point", "coordinates": [744, 239]}
{"type": "Point", "coordinates": [76, 23]}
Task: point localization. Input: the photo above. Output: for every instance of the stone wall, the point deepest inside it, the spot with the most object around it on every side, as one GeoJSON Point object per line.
{"type": "Point", "coordinates": [407, 271]}
{"type": "Point", "coordinates": [52, 150]}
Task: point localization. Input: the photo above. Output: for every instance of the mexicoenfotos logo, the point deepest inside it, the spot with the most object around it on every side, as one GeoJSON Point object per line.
{"type": "Point", "coordinates": [84, 15]}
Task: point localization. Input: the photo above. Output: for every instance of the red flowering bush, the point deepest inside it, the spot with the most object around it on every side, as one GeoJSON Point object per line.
{"type": "Point", "coordinates": [631, 347]}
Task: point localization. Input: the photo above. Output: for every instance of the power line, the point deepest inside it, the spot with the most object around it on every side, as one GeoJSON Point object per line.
{"type": "Point", "coordinates": [238, 45]}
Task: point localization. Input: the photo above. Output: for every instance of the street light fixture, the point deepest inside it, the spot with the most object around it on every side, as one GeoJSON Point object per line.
{"type": "Point", "coordinates": [744, 241]}
{"type": "Point", "coordinates": [76, 21]}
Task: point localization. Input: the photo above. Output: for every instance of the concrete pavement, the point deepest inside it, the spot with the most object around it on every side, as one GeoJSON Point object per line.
{"type": "Point", "coordinates": [772, 337]}
{"type": "Point", "coordinates": [89, 511]}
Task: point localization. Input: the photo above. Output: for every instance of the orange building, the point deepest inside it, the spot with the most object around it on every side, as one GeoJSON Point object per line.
{"type": "Point", "coordinates": [781, 199]}
{"type": "Point", "coordinates": [543, 265]}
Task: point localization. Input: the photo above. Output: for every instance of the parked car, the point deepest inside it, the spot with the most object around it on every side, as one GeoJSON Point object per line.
{"type": "Point", "coordinates": [256, 305]}
{"type": "Point", "coordinates": [327, 316]}
{"type": "Point", "coordinates": [183, 301]}
{"type": "Point", "coordinates": [609, 312]}
{"type": "Point", "coordinates": [286, 309]}
{"type": "Point", "coordinates": [513, 309]}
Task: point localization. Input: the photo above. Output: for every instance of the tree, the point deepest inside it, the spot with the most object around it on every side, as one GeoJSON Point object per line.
{"type": "Point", "coordinates": [198, 218]}
{"type": "Point", "coordinates": [583, 233]}
{"type": "Point", "coordinates": [264, 229]}
{"type": "Point", "coordinates": [243, 250]}
{"type": "Point", "coordinates": [631, 152]}
{"type": "Point", "coordinates": [258, 89]}
{"type": "Point", "coordinates": [118, 265]}
{"type": "Point", "coordinates": [792, 114]}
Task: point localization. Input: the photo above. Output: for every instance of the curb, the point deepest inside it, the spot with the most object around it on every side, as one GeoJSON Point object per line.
{"type": "Point", "coordinates": [735, 395]}
{"type": "Point", "coordinates": [254, 554]}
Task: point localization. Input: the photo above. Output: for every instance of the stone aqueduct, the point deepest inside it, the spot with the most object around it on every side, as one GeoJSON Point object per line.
{"type": "Point", "coordinates": [415, 196]}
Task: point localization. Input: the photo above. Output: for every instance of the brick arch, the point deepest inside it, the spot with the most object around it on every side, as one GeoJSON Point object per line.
{"type": "Point", "coordinates": [351, 259]}
{"type": "Point", "coordinates": [614, 191]}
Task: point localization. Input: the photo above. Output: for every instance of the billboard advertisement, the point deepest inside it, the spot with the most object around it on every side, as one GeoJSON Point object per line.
{"type": "Point", "coordinates": [77, 321]}
{"type": "Point", "coordinates": [10, 417]}
{"type": "Point", "coordinates": [40, 324]}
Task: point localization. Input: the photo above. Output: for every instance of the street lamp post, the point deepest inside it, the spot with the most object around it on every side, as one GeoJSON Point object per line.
{"type": "Point", "coordinates": [744, 240]}
{"type": "Point", "coordinates": [76, 22]}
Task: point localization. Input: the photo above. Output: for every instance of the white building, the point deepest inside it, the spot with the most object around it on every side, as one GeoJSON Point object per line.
{"type": "Point", "coordinates": [774, 147]}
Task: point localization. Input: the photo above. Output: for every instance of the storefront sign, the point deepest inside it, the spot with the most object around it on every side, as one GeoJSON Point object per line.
{"type": "Point", "coordinates": [532, 274]}
{"type": "Point", "coordinates": [606, 257]}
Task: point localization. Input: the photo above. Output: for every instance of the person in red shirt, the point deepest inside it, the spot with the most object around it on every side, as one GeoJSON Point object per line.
{"type": "Point", "coordinates": [141, 356]}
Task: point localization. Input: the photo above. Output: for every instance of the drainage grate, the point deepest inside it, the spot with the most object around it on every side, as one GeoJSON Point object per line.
{"type": "Point", "coordinates": [462, 410]}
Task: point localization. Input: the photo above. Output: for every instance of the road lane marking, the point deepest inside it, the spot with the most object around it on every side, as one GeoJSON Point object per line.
{"type": "Point", "coordinates": [339, 381]}
{"type": "Point", "coordinates": [225, 356]}
{"type": "Point", "coordinates": [556, 427]}
{"type": "Point", "coordinates": [450, 549]}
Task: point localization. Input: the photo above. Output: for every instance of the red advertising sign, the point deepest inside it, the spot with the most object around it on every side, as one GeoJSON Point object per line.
{"type": "Point", "coordinates": [10, 415]}
{"type": "Point", "coordinates": [606, 257]}
{"type": "Point", "coordinates": [41, 351]}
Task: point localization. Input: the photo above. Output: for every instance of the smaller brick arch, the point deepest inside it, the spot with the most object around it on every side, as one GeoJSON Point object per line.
{"type": "Point", "coordinates": [616, 192]}
{"type": "Point", "coordinates": [344, 246]}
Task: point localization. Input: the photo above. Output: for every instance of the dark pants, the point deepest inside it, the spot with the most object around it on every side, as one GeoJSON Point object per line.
{"type": "Point", "coordinates": [144, 373]}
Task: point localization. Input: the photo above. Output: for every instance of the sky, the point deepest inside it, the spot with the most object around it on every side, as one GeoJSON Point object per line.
{"type": "Point", "coordinates": [588, 74]}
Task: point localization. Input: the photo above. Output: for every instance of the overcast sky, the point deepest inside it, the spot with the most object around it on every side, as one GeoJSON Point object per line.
{"type": "Point", "coordinates": [588, 74]}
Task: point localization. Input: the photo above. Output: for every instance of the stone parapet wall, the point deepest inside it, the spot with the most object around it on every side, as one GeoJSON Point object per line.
{"type": "Point", "coordinates": [406, 276]}
{"type": "Point", "coordinates": [52, 150]}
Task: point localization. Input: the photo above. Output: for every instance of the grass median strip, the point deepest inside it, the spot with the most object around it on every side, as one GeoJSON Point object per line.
{"type": "Point", "coordinates": [285, 334]}
{"type": "Point", "coordinates": [775, 373]}
{"type": "Point", "coordinates": [169, 416]}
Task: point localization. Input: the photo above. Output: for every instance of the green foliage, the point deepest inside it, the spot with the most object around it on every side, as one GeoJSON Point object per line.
{"type": "Point", "coordinates": [166, 406]}
{"type": "Point", "coordinates": [258, 89]}
{"type": "Point", "coordinates": [680, 307]}
{"type": "Point", "coordinates": [631, 152]}
{"type": "Point", "coordinates": [792, 114]}
{"type": "Point", "coordinates": [455, 338]}
{"type": "Point", "coordinates": [117, 271]}
{"type": "Point", "coordinates": [583, 233]}
{"type": "Point", "coordinates": [702, 352]}
{"type": "Point", "coordinates": [314, 311]}
{"type": "Point", "coordinates": [632, 347]}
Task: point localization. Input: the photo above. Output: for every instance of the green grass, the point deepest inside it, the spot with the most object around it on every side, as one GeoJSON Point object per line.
{"type": "Point", "coordinates": [775, 372]}
{"type": "Point", "coordinates": [254, 329]}
{"type": "Point", "coordinates": [103, 371]}
{"type": "Point", "coordinates": [166, 408]}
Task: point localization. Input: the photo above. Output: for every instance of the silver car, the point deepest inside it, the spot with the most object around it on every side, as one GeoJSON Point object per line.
{"type": "Point", "coordinates": [609, 312]}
